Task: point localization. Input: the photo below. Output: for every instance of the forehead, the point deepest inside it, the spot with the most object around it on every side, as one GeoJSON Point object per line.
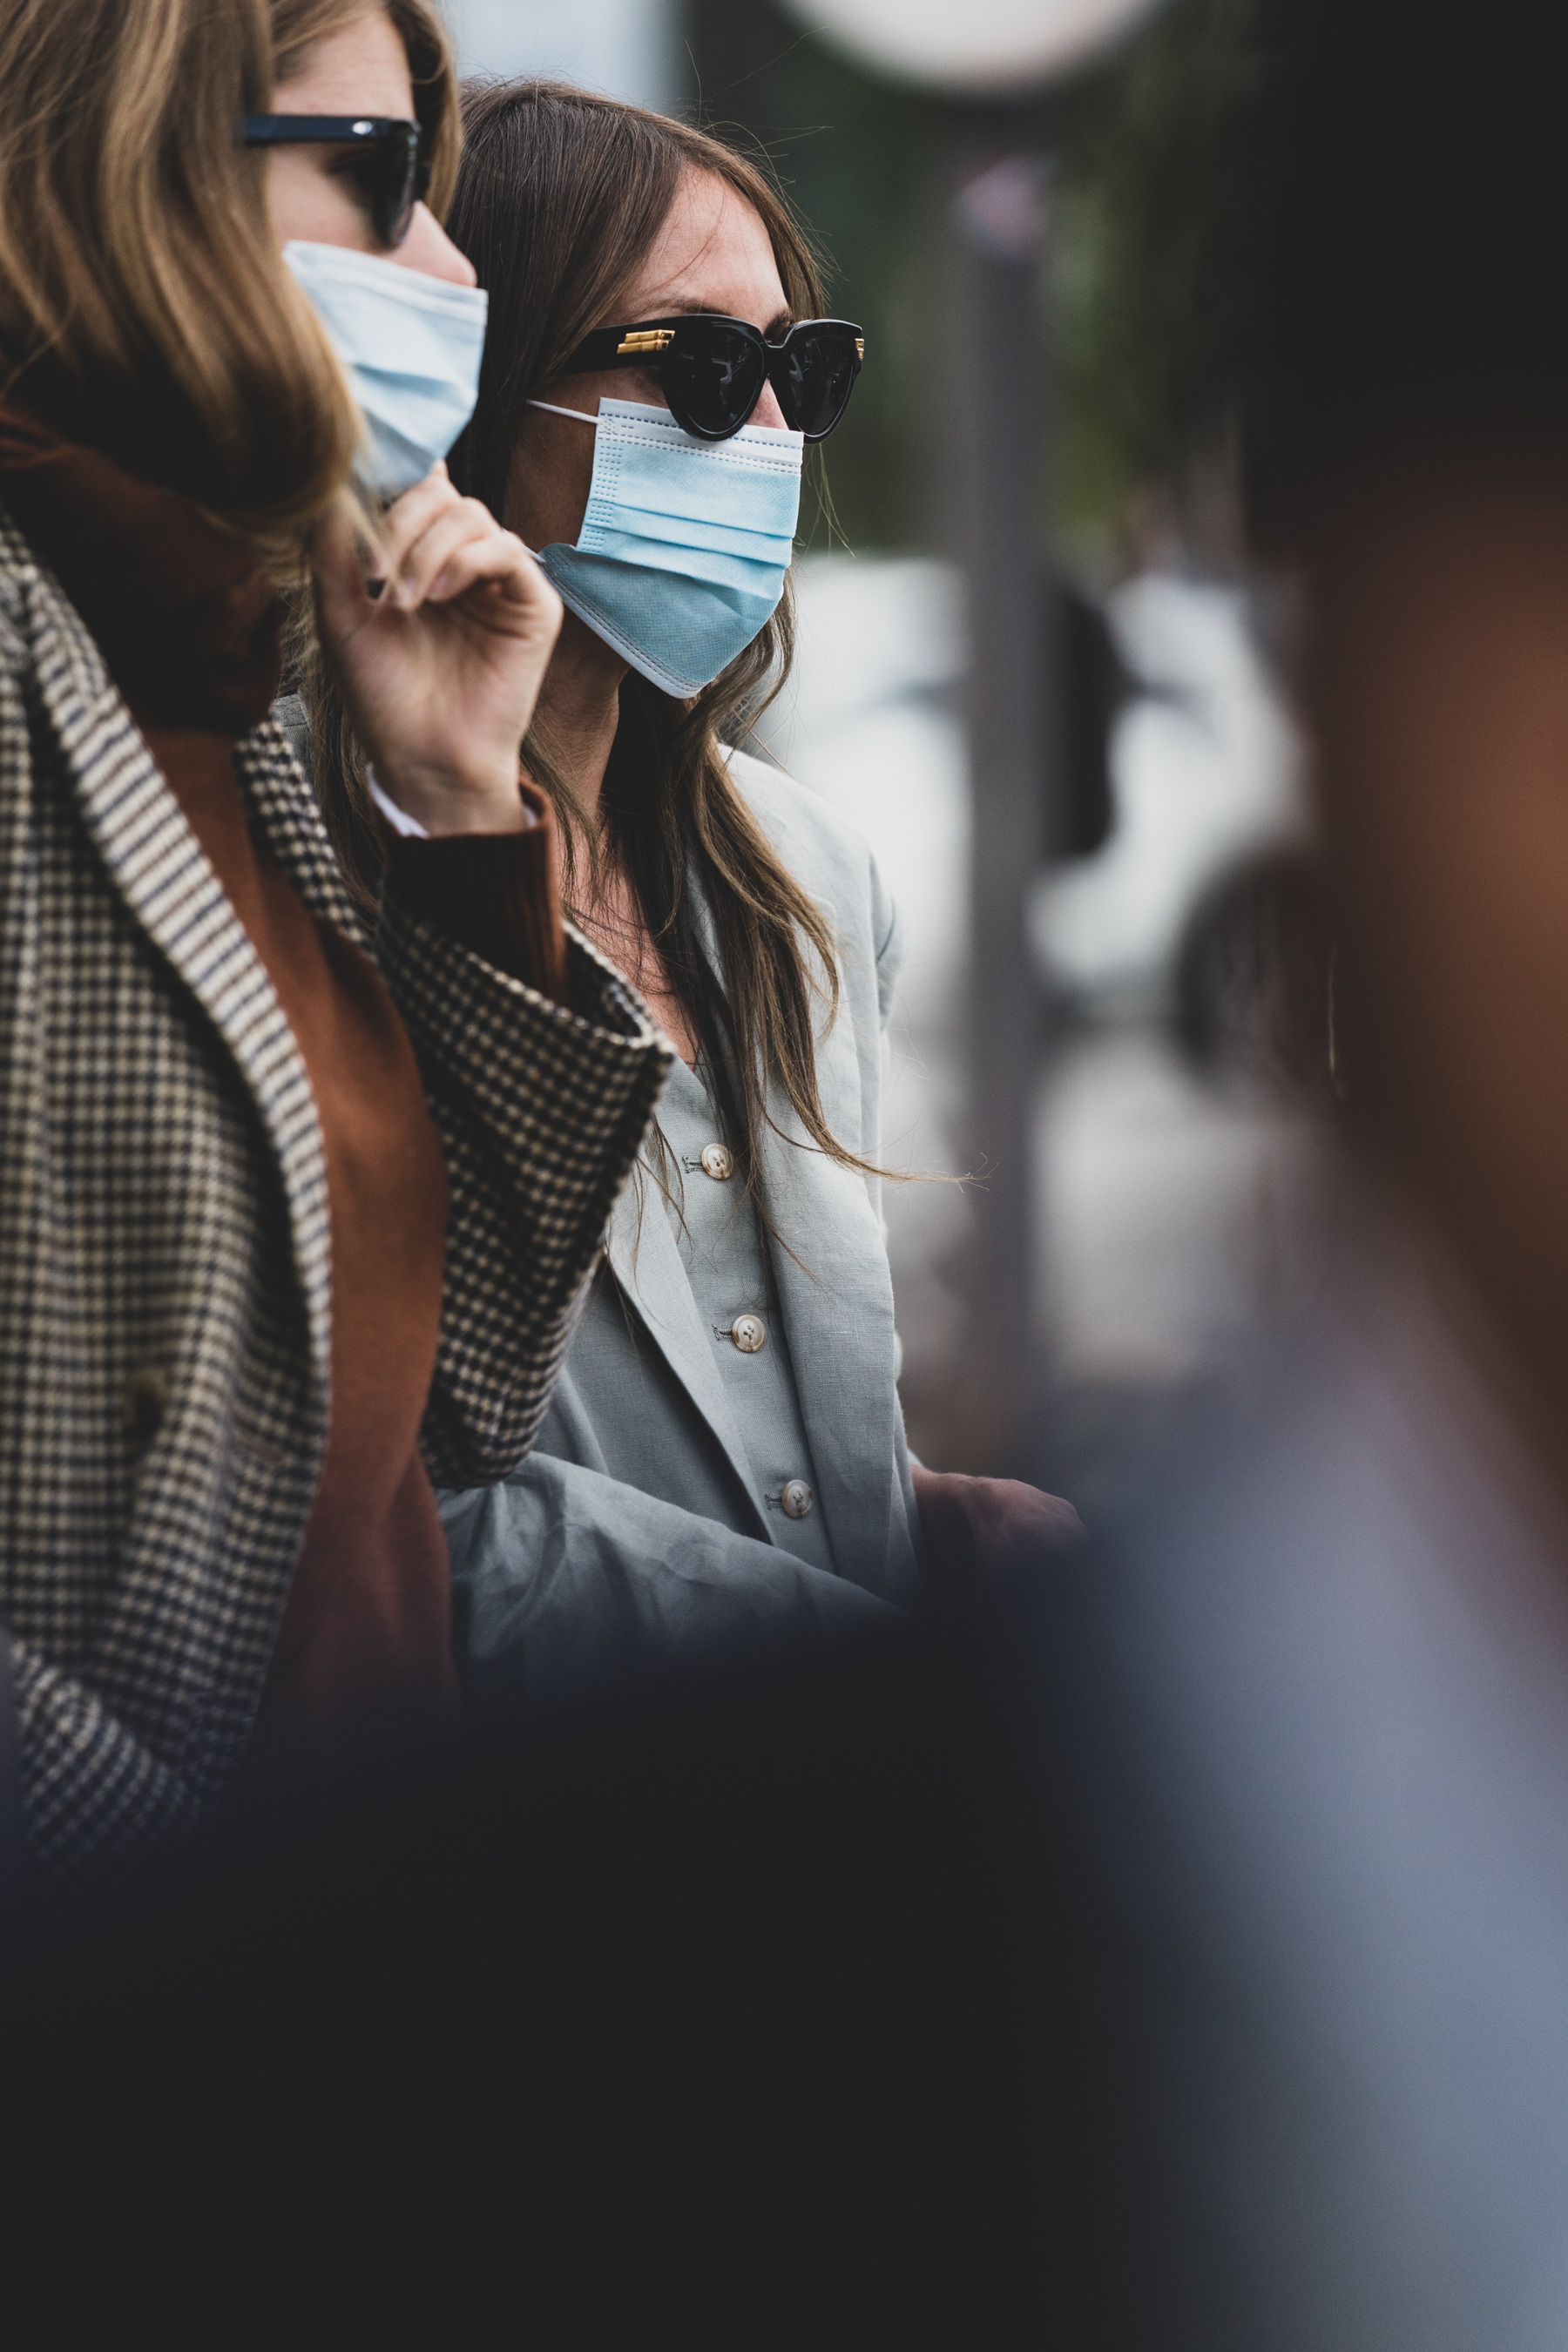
{"type": "Point", "coordinates": [712, 254]}
{"type": "Point", "coordinates": [362, 68]}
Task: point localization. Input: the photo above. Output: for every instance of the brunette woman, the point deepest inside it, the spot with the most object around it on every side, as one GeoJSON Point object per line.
{"type": "Point", "coordinates": [725, 1455]}
{"type": "Point", "coordinates": [295, 1197]}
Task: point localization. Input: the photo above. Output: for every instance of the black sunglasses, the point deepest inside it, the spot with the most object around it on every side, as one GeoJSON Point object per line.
{"type": "Point", "coordinates": [384, 159]}
{"type": "Point", "coordinates": [712, 370]}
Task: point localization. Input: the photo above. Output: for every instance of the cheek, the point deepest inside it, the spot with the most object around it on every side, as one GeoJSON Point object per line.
{"type": "Point", "coordinates": [310, 203]}
{"type": "Point", "coordinates": [633, 383]}
{"type": "Point", "coordinates": [547, 487]}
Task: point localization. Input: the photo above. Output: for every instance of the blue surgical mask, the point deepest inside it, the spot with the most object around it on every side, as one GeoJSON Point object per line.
{"type": "Point", "coordinates": [684, 547]}
{"type": "Point", "coordinates": [411, 346]}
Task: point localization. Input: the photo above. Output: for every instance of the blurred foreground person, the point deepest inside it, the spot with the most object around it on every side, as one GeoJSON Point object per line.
{"type": "Point", "coordinates": [1308, 1711]}
{"type": "Point", "coordinates": [723, 1464]}
{"type": "Point", "coordinates": [288, 1192]}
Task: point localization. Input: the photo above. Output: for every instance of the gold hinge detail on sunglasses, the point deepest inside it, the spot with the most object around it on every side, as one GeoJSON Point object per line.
{"type": "Point", "coordinates": [860, 347]}
{"type": "Point", "coordinates": [646, 339]}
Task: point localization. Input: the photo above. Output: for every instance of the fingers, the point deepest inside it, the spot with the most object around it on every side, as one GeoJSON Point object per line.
{"type": "Point", "coordinates": [1013, 1512]}
{"type": "Point", "coordinates": [464, 545]}
{"type": "Point", "coordinates": [408, 518]}
{"type": "Point", "coordinates": [434, 546]}
{"type": "Point", "coordinates": [501, 563]}
{"type": "Point", "coordinates": [1059, 1523]}
{"type": "Point", "coordinates": [428, 526]}
{"type": "Point", "coordinates": [457, 547]}
{"type": "Point", "coordinates": [341, 570]}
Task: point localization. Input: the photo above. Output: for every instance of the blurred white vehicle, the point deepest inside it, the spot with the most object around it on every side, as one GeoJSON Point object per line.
{"type": "Point", "coordinates": [1205, 764]}
{"type": "Point", "coordinates": [1165, 1201]}
{"type": "Point", "coordinates": [1205, 773]}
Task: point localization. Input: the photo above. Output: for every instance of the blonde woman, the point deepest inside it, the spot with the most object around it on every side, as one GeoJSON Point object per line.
{"type": "Point", "coordinates": [295, 1199]}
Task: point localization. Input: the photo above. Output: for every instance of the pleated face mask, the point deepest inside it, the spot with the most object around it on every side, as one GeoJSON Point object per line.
{"type": "Point", "coordinates": [411, 346]}
{"type": "Point", "coordinates": [685, 543]}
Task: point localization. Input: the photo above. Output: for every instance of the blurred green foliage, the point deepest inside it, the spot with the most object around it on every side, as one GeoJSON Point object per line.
{"type": "Point", "coordinates": [1147, 227]}
{"type": "Point", "coordinates": [1143, 220]}
{"type": "Point", "coordinates": [853, 155]}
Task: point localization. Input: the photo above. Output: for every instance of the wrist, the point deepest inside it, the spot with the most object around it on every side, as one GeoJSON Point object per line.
{"type": "Point", "coordinates": [442, 803]}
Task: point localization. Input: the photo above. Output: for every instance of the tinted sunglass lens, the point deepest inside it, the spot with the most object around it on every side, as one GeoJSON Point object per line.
{"type": "Point", "coordinates": [716, 374]}
{"type": "Point", "coordinates": [394, 180]}
{"type": "Point", "coordinates": [819, 375]}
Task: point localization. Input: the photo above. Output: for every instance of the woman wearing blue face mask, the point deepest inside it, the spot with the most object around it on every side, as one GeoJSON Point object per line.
{"type": "Point", "coordinates": [724, 1458]}
{"type": "Point", "coordinates": [295, 1201]}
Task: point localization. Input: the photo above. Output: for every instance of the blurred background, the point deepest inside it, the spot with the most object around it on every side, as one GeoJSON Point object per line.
{"type": "Point", "coordinates": [1158, 1114]}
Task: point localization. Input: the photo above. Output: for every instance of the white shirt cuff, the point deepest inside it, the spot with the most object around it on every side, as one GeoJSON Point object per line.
{"type": "Point", "coordinates": [398, 819]}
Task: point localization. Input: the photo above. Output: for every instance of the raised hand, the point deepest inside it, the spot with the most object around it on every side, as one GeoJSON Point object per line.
{"type": "Point", "coordinates": [440, 671]}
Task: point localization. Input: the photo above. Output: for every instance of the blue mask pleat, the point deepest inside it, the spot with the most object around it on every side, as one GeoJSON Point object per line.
{"type": "Point", "coordinates": [633, 608]}
{"type": "Point", "coordinates": [685, 545]}
{"type": "Point", "coordinates": [411, 346]}
{"type": "Point", "coordinates": [602, 529]}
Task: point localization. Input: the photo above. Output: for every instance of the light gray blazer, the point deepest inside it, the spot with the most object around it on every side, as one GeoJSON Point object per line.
{"type": "Point", "coordinates": [641, 1533]}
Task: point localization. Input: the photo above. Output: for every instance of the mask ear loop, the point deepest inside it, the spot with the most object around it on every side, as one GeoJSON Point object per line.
{"type": "Point", "coordinates": [581, 418]}
{"type": "Point", "coordinates": [581, 414]}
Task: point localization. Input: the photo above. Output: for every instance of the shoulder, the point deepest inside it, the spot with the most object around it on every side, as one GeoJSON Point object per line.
{"type": "Point", "coordinates": [831, 861]}
{"type": "Point", "coordinates": [816, 844]}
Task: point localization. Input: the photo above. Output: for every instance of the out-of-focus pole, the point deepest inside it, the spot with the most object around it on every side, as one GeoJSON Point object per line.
{"type": "Point", "coordinates": [998, 458]}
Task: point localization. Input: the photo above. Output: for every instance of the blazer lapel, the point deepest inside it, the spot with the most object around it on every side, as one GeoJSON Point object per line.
{"type": "Point", "coordinates": [837, 1300]}
{"type": "Point", "coordinates": [830, 1268]}
{"type": "Point", "coordinates": [646, 1260]}
{"type": "Point", "coordinates": [283, 808]}
{"type": "Point", "coordinates": [161, 871]}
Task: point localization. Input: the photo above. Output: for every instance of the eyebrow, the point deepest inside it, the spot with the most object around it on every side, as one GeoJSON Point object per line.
{"type": "Point", "coordinates": [776, 325]}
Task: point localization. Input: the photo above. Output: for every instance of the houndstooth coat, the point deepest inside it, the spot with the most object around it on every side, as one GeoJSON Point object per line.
{"type": "Point", "coordinates": [166, 1279]}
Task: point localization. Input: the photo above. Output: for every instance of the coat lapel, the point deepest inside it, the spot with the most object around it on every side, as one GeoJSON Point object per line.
{"type": "Point", "coordinates": [829, 1264]}
{"type": "Point", "coordinates": [161, 871]}
{"type": "Point", "coordinates": [646, 1260]}
{"type": "Point", "coordinates": [283, 809]}
{"type": "Point", "coordinates": [835, 1298]}
{"type": "Point", "coordinates": [830, 1267]}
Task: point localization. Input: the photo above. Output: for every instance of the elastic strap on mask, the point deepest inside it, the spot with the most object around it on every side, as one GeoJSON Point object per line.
{"type": "Point", "coordinates": [581, 414]}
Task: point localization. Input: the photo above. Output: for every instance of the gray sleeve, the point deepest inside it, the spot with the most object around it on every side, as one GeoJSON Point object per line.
{"type": "Point", "coordinates": [567, 1581]}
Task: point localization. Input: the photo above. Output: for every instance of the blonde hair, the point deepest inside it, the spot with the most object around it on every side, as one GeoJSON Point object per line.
{"type": "Point", "coordinates": [144, 306]}
{"type": "Point", "coordinates": [297, 25]}
{"type": "Point", "coordinates": [145, 310]}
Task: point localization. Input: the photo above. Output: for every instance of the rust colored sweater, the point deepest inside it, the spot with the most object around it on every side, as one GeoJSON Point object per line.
{"type": "Point", "coordinates": [188, 626]}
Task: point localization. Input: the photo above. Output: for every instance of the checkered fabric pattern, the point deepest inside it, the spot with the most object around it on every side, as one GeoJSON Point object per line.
{"type": "Point", "coordinates": [165, 1281]}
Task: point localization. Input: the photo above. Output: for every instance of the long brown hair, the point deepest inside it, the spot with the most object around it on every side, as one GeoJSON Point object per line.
{"type": "Point", "coordinates": [559, 196]}
{"type": "Point", "coordinates": [144, 307]}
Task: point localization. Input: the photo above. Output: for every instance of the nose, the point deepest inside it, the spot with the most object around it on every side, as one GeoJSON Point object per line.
{"type": "Point", "coordinates": [767, 411]}
{"type": "Point", "coordinates": [429, 249]}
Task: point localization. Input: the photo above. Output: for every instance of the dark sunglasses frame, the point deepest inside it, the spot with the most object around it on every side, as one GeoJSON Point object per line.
{"type": "Point", "coordinates": [397, 176]}
{"type": "Point", "coordinates": [662, 344]}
